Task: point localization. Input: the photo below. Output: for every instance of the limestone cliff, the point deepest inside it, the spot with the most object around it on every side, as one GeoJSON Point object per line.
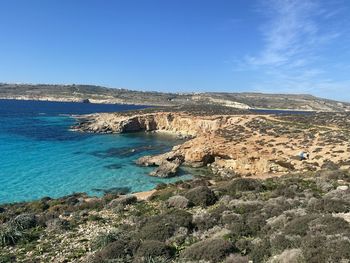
{"type": "Point", "coordinates": [255, 145]}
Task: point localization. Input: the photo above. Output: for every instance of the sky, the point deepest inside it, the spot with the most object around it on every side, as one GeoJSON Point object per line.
{"type": "Point", "coordinates": [273, 46]}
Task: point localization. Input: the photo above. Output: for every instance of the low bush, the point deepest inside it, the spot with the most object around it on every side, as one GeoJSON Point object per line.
{"type": "Point", "coordinates": [204, 220]}
{"type": "Point", "coordinates": [260, 250]}
{"type": "Point", "coordinates": [201, 196]}
{"type": "Point", "coordinates": [299, 225]}
{"type": "Point", "coordinates": [9, 235]}
{"type": "Point", "coordinates": [330, 205]}
{"type": "Point", "coordinates": [281, 242]}
{"type": "Point", "coordinates": [213, 250]}
{"type": "Point", "coordinates": [161, 227]}
{"type": "Point", "coordinates": [153, 248]}
{"type": "Point", "coordinates": [321, 248]}
{"type": "Point", "coordinates": [119, 249]}
{"type": "Point", "coordinates": [246, 226]}
{"type": "Point", "coordinates": [330, 225]}
{"type": "Point", "coordinates": [243, 185]}
{"type": "Point", "coordinates": [24, 221]}
{"type": "Point", "coordinates": [104, 239]}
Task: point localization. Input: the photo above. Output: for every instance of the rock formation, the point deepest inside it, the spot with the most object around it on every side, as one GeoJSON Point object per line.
{"type": "Point", "coordinates": [230, 144]}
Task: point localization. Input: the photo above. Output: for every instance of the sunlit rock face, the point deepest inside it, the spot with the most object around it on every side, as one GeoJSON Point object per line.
{"type": "Point", "coordinates": [249, 144]}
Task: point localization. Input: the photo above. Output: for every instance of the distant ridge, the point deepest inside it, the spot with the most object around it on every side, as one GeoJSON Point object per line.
{"type": "Point", "coordinates": [98, 94]}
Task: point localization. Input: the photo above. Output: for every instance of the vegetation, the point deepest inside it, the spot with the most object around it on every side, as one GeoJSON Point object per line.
{"type": "Point", "coordinates": [234, 220]}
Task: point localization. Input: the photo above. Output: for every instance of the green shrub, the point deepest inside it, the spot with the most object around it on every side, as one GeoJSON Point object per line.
{"type": "Point", "coordinates": [246, 207]}
{"type": "Point", "coordinates": [204, 221]}
{"type": "Point", "coordinates": [24, 221]}
{"type": "Point", "coordinates": [330, 205]}
{"type": "Point", "coordinates": [201, 196]}
{"type": "Point", "coordinates": [9, 235]}
{"type": "Point", "coordinates": [213, 250]}
{"type": "Point", "coordinates": [38, 206]}
{"type": "Point", "coordinates": [163, 194]}
{"type": "Point", "coordinates": [243, 245]}
{"type": "Point", "coordinates": [104, 239]}
{"type": "Point", "coordinates": [243, 185]}
{"type": "Point", "coordinates": [246, 226]}
{"type": "Point", "coordinates": [7, 258]}
{"type": "Point", "coordinates": [320, 248]}
{"type": "Point", "coordinates": [300, 225]}
{"type": "Point", "coordinates": [334, 174]}
{"type": "Point", "coordinates": [260, 250]}
{"type": "Point", "coordinates": [120, 249]}
{"type": "Point", "coordinates": [330, 225]}
{"type": "Point", "coordinates": [281, 242]}
{"type": "Point", "coordinates": [153, 248]}
{"type": "Point", "coordinates": [163, 226]}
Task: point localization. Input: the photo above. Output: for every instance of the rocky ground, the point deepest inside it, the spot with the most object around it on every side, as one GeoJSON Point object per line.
{"type": "Point", "coordinates": [260, 204]}
{"type": "Point", "coordinates": [236, 142]}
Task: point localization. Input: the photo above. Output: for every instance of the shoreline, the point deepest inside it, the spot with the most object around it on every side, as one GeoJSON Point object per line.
{"type": "Point", "coordinates": [112, 102]}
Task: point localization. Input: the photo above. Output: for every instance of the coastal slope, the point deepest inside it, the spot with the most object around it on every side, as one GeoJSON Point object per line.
{"type": "Point", "coordinates": [245, 144]}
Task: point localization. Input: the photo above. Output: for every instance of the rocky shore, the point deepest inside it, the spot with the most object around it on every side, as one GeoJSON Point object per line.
{"type": "Point", "coordinates": [244, 144]}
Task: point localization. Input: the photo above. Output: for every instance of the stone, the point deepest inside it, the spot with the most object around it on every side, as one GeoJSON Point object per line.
{"type": "Point", "coordinates": [166, 169]}
{"type": "Point", "coordinates": [57, 224]}
{"type": "Point", "coordinates": [122, 201]}
{"type": "Point", "coordinates": [342, 187]}
{"type": "Point", "coordinates": [178, 201]}
{"type": "Point", "coordinates": [287, 256]}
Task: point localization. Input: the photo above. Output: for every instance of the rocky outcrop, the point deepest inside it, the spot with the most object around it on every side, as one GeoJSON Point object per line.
{"type": "Point", "coordinates": [254, 145]}
{"type": "Point", "coordinates": [166, 169]}
{"type": "Point", "coordinates": [178, 201]}
{"type": "Point", "coordinates": [179, 123]}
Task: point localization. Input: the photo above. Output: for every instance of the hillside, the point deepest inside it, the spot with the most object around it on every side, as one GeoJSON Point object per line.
{"type": "Point", "coordinates": [97, 94]}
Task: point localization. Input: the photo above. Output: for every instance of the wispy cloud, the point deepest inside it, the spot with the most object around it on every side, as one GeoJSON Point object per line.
{"type": "Point", "coordinates": [294, 36]}
{"type": "Point", "coordinates": [289, 33]}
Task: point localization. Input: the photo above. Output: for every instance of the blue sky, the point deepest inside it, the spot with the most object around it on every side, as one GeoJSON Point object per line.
{"type": "Point", "coordinates": [275, 46]}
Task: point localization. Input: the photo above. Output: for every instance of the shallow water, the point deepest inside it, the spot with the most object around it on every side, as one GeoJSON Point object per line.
{"type": "Point", "coordinates": [40, 157]}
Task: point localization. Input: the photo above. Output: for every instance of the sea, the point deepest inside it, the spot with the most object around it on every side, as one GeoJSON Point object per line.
{"type": "Point", "coordinates": [41, 157]}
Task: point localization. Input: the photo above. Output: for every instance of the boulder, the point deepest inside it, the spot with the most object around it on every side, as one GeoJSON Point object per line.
{"type": "Point", "coordinates": [342, 187]}
{"type": "Point", "coordinates": [178, 201]}
{"type": "Point", "coordinates": [122, 201]}
{"type": "Point", "coordinates": [289, 255]}
{"type": "Point", "coordinates": [166, 169]}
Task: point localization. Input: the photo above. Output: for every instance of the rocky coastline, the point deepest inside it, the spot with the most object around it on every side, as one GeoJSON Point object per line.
{"type": "Point", "coordinates": [261, 204]}
{"type": "Point", "coordinates": [243, 144]}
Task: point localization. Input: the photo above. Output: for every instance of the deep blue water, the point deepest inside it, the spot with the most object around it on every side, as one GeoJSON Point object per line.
{"type": "Point", "coordinates": [40, 156]}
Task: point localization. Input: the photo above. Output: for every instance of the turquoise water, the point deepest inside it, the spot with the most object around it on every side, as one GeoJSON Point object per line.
{"type": "Point", "coordinates": [40, 157]}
